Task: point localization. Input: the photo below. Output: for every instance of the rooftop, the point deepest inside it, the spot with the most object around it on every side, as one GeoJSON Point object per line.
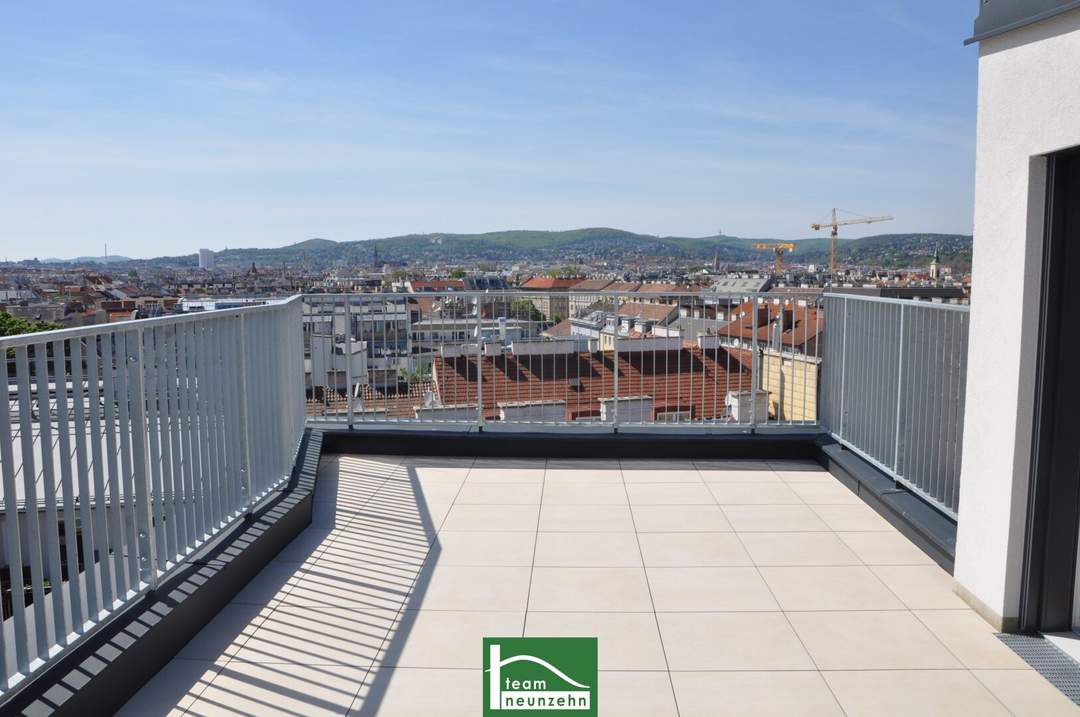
{"type": "Point", "coordinates": [759, 587]}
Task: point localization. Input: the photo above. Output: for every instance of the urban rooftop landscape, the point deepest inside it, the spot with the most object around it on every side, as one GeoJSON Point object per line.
{"type": "Point", "coordinates": [804, 466]}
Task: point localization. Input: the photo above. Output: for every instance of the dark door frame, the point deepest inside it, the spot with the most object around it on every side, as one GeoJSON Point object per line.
{"type": "Point", "coordinates": [1053, 509]}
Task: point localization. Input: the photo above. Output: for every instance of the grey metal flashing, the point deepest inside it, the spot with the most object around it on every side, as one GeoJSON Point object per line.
{"type": "Point", "coordinates": [760, 446]}
{"type": "Point", "coordinates": [100, 675]}
{"type": "Point", "coordinates": [928, 528]}
{"type": "Point", "coordinates": [1049, 661]}
{"type": "Point", "coordinates": [997, 17]}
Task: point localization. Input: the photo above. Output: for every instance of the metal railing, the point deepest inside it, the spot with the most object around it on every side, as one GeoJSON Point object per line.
{"type": "Point", "coordinates": [606, 359]}
{"type": "Point", "coordinates": [124, 450]}
{"type": "Point", "coordinates": [893, 389]}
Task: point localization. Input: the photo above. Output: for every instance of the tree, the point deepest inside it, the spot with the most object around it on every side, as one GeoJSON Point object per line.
{"type": "Point", "coordinates": [524, 308]}
{"type": "Point", "coordinates": [457, 274]}
{"type": "Point", "coordinates": [12, 325]}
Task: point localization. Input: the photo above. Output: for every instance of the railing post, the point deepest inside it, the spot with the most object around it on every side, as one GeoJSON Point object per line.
{"type": "Point", "coordinates": [615, 367]}
{"type": "Point", "coordinates": [843, 369]}
{"type": "Point", "coordinates": [899, 393]}
{"type": "Point", "coordinates": [148, 570]}
{"type": "Point", "coordinates": [245, 429]}
{"type": "Point", "coordinates": [755, 374]}
{"type": "Point", "coordinates": [348, 362]}
{"type": "Point", "coordinates": [479, 366]}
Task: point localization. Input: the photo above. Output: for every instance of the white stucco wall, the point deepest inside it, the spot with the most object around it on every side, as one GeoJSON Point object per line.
{"type": "Point", "coordinates": [1029, 106]}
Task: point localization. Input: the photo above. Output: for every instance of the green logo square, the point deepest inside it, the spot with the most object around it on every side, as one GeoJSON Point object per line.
{"type": "Point", "coordinates": [539, 676]}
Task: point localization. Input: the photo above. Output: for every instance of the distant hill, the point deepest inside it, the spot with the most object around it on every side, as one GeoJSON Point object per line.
{"type": "Point", "coordinates": [116, 259]}
{"type": "Point", "coordinates": [585, 245]}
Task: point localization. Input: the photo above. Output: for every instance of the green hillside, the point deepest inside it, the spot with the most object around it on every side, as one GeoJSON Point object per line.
{"type": "Point", "coordinates": [592, 244]}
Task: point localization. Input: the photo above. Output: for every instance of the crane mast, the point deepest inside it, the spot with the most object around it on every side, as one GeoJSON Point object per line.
{"type": "Point", "coordinates": [835, 233]}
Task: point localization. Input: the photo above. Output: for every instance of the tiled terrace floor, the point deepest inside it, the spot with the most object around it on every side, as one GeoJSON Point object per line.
{"type": "Point", "coordinates": [714, 588]}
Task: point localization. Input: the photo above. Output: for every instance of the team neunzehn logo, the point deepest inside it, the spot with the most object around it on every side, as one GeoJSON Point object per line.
{"type": "Point", "coordinates": [539, 675]}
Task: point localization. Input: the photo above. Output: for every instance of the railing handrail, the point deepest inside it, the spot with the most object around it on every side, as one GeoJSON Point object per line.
{"type": "Point", "coordinates": [518, 292]}
{"type": "Point", "coordinates": [894, 300]}
{"type": "Point", "coordinates": [78, 332]}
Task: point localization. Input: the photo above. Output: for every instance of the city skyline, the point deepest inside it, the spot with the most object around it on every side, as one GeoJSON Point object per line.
{"type": "Point", "coordinates": [161, 130]}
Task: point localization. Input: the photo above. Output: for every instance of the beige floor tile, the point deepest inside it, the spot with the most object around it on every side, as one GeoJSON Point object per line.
{"type": "Point", "coordinates": [173, 689]}
{"type": "Point", "coordinates": [445, 638]}
{"type": "Point", "coordinates": [859, 517]}
{"type": "Point", "coordinates": [738, 475]}
{"type": "Point", "coordinates": [810, 475]}
{"type": "Point", "coordinates": [449, 587]}
{"type": "Point", "coordinates": [378, 545]}
{"type": "Point", "coordinates": [338, 583]}
{"type": "Point", "coordinates": [793, 464]}
{"type": "Point", "coordinates": [971, 639]}
{"type": "Point", "coordinates": [692, 549]}
{"type": "Point", "coordinates": [754, 494]}
{"type": "Point", "coordinates": [802, 549]}
{"type": "Point", "coordinates": [272, 583]}
{"type": "Point", "coordinates": [224, 635]}
{"type": "Point", "coordinates": [680, 518]}
{"type": "Point", "coordinates": [257, 689]}
{"type": "Point", "coordinates": [492, 517]}
{"type": "Point", "coordinates": [586, 518]}
{"type": "Point", "coordinates": [589, 590]}
{"type": "Point", "coordinates": [870, 640]}
{"type": "Point", "coordinates": [732, 464]}
{"type": "Point", "coordinates": [773, 518]}
{"type": "Point", "coordinates": [885, 548]}
{"type": "Point", "coordinates": [562, 475]}
{"type": "Point", "coordinates": [635, 694]}
{"type": "Point", "coordinates": [709, 590]}
{"type": "Point", "coordinates": [408, 692]}
{"type": "Point", "coordinates": [822, 493]}
{"type": "Point", "coordinates": [1027, 693]}
{"type": "Point", "coordinates": [754, 694]}
{"type": "Point", "coordinates": [927, 693]}
{"type": "Point", "coordinates": [626, 640]}
{"type": "Point", "coordinates": [507, 470]}
{"type": "Point", "coordinates": [851, 587]}
{"type": "Point", "coordinates": [482, 548]}
{"type": "Point", "coordinates": [583, 472]}
{"type": "Point", "coordinates": [601, 550]}
{"type": "Point", "coordinates": [499, 494]}
{"type": "Point", "coordinates": [585, 494]}
{"type": "Point", "coordinates": [921, 587]}
{"type": "Point", "coordinates": [731, 641]}
{"type": "Point", "coordinates": [318, 636]}
{"type": "Point", "coordinates": [660, 471]}
{"type": "Point", "coordinates": [670, 494]}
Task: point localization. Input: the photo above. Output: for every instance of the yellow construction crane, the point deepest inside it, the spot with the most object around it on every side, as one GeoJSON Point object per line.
{"type": "Point", "coordinates": [778, 247]}
{"type": "Point", "coordinates": [835, 231]}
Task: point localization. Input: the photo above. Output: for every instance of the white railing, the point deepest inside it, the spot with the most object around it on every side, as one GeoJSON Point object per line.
{"type": "Point", "coordinates": [524, 359]}
{"type": "Point", "coordinates": [893, 389]}
{"type": "Point", "coordinates": [127, 448]}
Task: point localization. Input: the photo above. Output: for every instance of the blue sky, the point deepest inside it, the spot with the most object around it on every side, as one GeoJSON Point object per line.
{"type": "Point", "coordinates": [160, 127]}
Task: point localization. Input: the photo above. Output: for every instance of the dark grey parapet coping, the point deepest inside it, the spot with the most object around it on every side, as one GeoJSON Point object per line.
{"type": "Point", "coordinates": [1000, 16]}
{"type": "Point", "coordinates": [930, 529]}
{"type": "Point", "coordinates": [102, 673]}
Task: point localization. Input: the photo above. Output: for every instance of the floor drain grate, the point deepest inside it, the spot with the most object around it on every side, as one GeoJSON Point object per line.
{"type": "Point", "coordinates": [1049, 661]}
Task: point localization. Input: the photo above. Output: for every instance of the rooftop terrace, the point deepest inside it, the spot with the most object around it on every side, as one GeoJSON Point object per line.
{"type": "Point", "coordinates": [714, 587]}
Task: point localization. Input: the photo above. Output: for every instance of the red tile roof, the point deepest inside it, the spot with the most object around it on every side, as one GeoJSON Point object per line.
{"type": "Point", "coordinates": [549, 282]}
{"type": "Point", "coordinates": [592, 285]}
{"type": "Point", "coordinates": [692, 377]}
{"type": "Point", "coordinates": [438, 285]}
{"type": "Point", "coordinates": [803, 323]}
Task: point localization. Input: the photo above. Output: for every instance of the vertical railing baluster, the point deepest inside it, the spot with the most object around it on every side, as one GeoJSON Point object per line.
{"type": "Point", "coordinates": [144, 489]}
{"type": "Point", "coordinates": [64, 457]}
{"type": "Point", "coordinates": [12, 536]}
{"type": "Point", "coordinates": [51, 542]}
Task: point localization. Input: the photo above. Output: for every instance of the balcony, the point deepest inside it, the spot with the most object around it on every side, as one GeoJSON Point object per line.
{"type": "Point", "coordinates": [750, 511]}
